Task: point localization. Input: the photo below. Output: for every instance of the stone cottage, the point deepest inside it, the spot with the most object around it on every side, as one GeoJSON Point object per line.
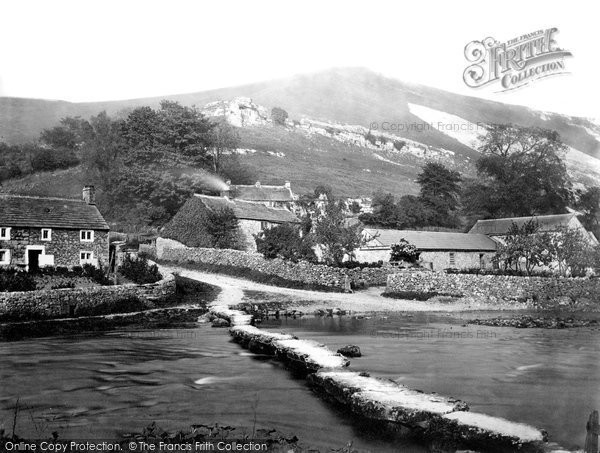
{"type": "Point", "coordinates": [188, 225]}
{"type": "Point", "coordinates": [270, 195]}
{"type": "Point", "coordinates": [46, 231]}
{"type": "Point", "coordinates": [439, 250]}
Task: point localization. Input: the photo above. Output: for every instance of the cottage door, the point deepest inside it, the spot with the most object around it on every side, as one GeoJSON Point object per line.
{"type": "Point", "coordinates": [33, 258]}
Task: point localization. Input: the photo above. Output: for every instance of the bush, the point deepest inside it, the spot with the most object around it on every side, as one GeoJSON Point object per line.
{"type": "Point", "coordinates": [284, 241]}
{"type": "Point", "coordinates": [53, 160]}
{"type": "Point", "coordinates": [96, 274]}
{"type": "Point", "coordinates": [11, 280]}
{"type": "Point", "coordinates": [139, 271]}
{"type": "Point", "coordinates": [404, 251]}
{"type": "Point", "coordinates": [278, 115]}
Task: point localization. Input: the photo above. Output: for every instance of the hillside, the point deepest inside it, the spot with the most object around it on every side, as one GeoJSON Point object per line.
{"type": "Point", "coordinates": [330, 137]}
{"type": "Point", "coordinates": [346, 95]}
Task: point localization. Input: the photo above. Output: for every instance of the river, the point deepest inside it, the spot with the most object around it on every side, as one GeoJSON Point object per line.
{"type": "Point", "coordinates": [103, 385]}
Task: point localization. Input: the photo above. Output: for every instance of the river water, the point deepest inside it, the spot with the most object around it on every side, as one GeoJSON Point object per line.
{"type": "Point", "coordinates": [103, 385]}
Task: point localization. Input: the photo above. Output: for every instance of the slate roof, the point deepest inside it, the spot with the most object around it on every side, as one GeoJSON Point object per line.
{"type": "Point", "coordinates": [47, 212]}
{"type": "Point", "coordinates": [499, 227]}
{"type": "Point", "coordinates": [433, 240]}
{"type": "Point", "coordinates": [262, 193]}
{"type": "Point", "coordinates": [247, 209]}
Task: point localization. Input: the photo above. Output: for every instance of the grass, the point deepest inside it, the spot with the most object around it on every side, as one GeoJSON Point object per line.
{"type": "Point", "coordinates": [255, 276]}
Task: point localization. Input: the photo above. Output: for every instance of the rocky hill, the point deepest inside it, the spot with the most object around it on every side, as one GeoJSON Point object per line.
{"type": "Point", "coordinates": [348, 127]}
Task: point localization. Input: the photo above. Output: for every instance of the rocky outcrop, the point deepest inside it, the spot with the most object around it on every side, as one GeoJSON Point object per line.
{"type": "Point", "coordinates": [240, 112]}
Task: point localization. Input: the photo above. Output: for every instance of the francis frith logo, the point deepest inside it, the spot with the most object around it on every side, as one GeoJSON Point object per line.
{"type": "Point", "coordinates": [514, 63]}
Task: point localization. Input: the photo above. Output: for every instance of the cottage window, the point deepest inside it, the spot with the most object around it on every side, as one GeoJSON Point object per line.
{"type": "Point", "coordinates": [4, 256]}
{"type": "Point", "coordinates": [46, 234]}
{"type": "Point", "coordinates": [5, 234]}
{"type": "Point", "coordinates": [87, 236]}
{"type": "Point", "coordinates": [86, 257]}
{"type": "Point", "coordinates": [264, 226]}
{"type": "Point", "coordinates": [452, 259]}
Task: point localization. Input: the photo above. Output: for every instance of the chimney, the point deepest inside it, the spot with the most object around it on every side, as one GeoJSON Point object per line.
{"type": "Point", "coordinates": [226, 192]}
{"type": "Point", "coordinates": [89, 194]}
{"type": "Point", "coordinates": [288, 185]}
{"type": "Point", "coordinates": [257, 184]}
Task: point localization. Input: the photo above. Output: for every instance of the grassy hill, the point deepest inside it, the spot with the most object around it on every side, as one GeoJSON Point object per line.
{"type": "Point", "coordinates": [344, 95]}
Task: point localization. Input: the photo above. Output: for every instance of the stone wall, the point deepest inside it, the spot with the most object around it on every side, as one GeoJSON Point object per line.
{"type": "Point", "coordinates": [62, 249]}
{"type": "Point", "coordinates": [68, 302]}
{"type": "Point", "coordinates": [304, 272]}
{"type": "Point", "coordinates": [495, 287]}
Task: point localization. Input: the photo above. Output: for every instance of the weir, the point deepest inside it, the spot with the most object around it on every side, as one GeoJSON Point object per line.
{"type": "Point", "coordinates": [383, 402]}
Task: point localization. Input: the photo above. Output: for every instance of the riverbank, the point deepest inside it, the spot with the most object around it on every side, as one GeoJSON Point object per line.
{"type": "Point", "coordinates": [365, 301]}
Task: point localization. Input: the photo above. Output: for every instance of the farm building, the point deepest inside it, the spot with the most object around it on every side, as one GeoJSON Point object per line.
{"type": "Point", "coordinates": [438, 250]}
{"type": "Point", "coordinates": [188, 226]}
{"type": "Point", "coordinates": [498, 228]}
{"type": "Point", "coordinates": [45, 231]}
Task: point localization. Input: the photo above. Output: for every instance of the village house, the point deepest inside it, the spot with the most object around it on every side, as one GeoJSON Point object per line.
{"type": "Point", "coordinates": [498, 228]}
{"type": "Point", "coordinates": [187, 226]}
{"type": "Point", "coordinates": [46, 231]}
{"type": "Point", "coordinates": [269, 195]}
{"type": "Point", "coordinates": [438, 250]}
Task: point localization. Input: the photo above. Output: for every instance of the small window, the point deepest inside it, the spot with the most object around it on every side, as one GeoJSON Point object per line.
{"type": "Point", "coordinates": [264, 226]}
{"type": "Point", "coordinates": [4, 233]}
{"type": "Point", "coordinates": [86, 235]}
{"type": "Point", "coordinates": [4, 256]}
{"type": "Point", "coordinates": [86, 257]}
{"type": "Point", "coordinates": [452, 259]}
{"type": "Point", "coordinates": [46, 234]}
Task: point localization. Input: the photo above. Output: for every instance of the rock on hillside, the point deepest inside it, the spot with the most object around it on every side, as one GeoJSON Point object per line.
{"type": "Point", "coordinates": [240, 112]}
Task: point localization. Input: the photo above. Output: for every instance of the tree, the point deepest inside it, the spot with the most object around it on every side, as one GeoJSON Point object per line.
{"type": "Point", "coordinates": [521, 173]}
{"type": "Point", "coordinates": [440, 190]}
{"type": "Point", "coordinates": [183, 130]}
{"type": "Point", "coordinates": [223, 139]}
{"type": "Point", "coordinates": [524, 247]}
{"type": "Point", "coordinates": [588, 202]}
{"type": "Point", "coordinates": [279, 116]}
{"type": "Point", "coordinates": [412, 212]}
{"type": "Point", "coordinates": [572, 251]}
{"type": "Point", "coordinates": [333, 236]}
{"type": "Point", "coordinates": [59, 137]}
{"type": "Point", "coordinates": [354, 207]}
{"type": "Point", "coordinates": [285, 241]}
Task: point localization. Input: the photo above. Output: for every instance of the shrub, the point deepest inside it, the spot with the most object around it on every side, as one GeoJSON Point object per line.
{"type": "Point", "coordinates": [139, 271]}
{"type": "Point", "coordinates": [278, 115]}
{"type": "Point", "coordinates": [404, 251]}
{"type": "Point", "coordinates": [96, 274]}
{"type": "Point", "coordinates": [284, 241]}
{"type": "Point", "coordinates": [53, 160]}
{"type": "Point", "coordinates": [11, 280]}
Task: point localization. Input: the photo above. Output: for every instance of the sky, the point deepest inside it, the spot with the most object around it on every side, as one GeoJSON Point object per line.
{"type": "Point", "coordinates": [90, 50]}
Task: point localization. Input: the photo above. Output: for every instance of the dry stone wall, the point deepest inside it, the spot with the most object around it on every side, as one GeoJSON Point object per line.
{"type": "Point", "coordinates": [302, 271]}
{"type": "Point", "coordinates": [69, 302]}
{"type": "Point", "coordinates": [497, 288]}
